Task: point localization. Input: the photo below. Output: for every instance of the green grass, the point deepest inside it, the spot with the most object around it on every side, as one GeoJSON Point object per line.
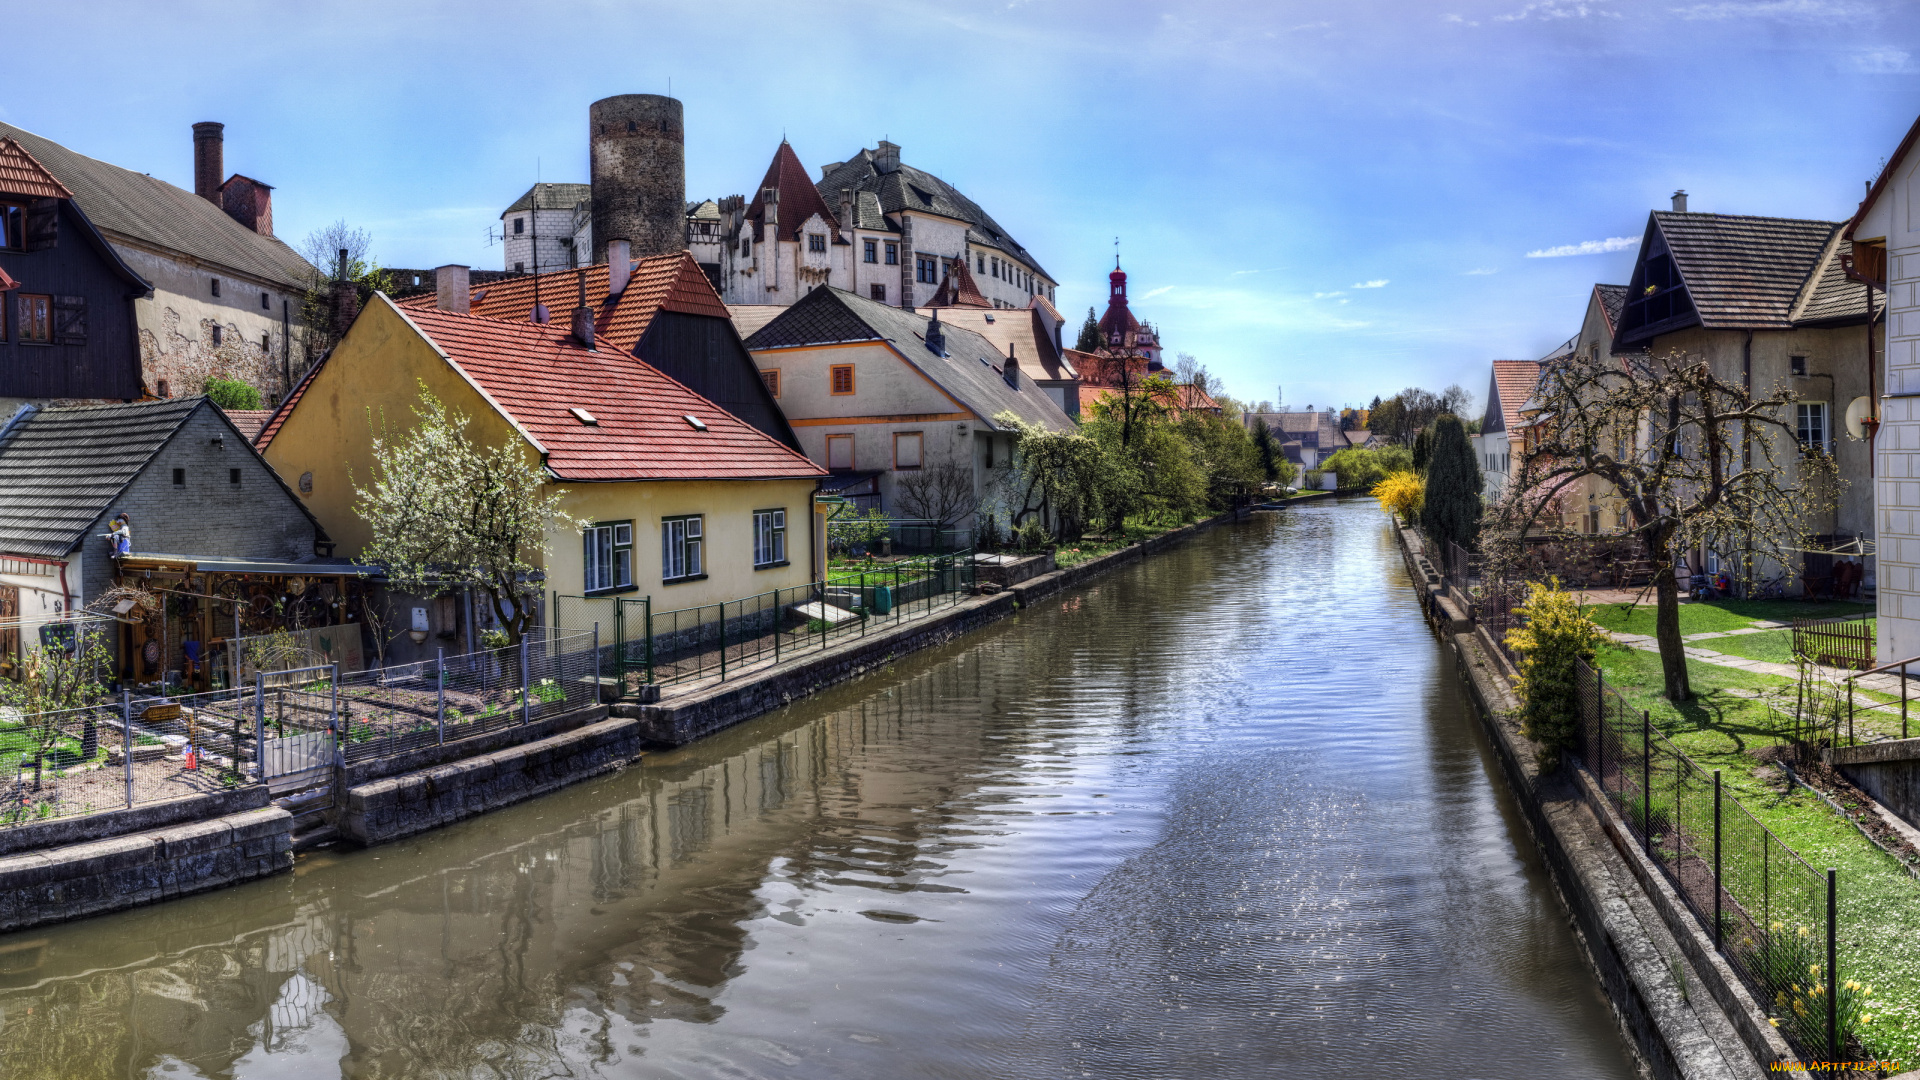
{"type": "Point", "coordinates": [1773, 646]}
{"type": "Point", "coordinates": [1720, 615]}
{"type": "Point", "coordinates": [1880, 903]}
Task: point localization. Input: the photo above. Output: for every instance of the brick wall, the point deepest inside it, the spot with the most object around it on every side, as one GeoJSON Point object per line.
{"type": "Point", "coordinates": [208, 515]}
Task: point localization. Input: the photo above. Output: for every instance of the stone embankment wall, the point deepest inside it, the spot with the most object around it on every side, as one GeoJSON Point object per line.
{"type": "Point", "coordinates": [706, 710]}
{"type": "Point", "coordinates": [1888, 771]}
{"type": "Point", "coordinates": [139, 868]}
{"type": "Point", "coordinates": [1653, 958]}
{"type": "Point", "coordinates": [81, 828]}
{"type": "Point", "coordinates": [400, 806]}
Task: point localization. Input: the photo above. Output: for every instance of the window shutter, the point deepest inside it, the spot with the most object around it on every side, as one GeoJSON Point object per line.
{"type": "Point", "coordinates": [43, 224]}
{"type": "Point", "coordinates": [69, 320]}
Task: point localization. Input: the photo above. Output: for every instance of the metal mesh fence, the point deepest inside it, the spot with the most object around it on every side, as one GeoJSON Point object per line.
{"type": "Point", "coordinates": [1771, 914]}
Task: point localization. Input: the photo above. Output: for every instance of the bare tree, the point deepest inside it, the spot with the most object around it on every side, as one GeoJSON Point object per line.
{"type": "Point", "coordinates": [1694, 458]}
{"type": "Point", "coordinates": [942, 493]}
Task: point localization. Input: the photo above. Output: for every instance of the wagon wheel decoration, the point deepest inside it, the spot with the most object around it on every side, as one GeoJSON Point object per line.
{"type": "Point", "coordinates": [260, 611]}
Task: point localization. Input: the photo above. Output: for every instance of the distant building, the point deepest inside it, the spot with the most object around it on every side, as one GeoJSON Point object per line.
{"type": "Point", "coordinates": [1119, 327]}
{"type": "Point", "coordinates": [226, 291]}
{"type": "Point", "coordinates": [1511, 385]}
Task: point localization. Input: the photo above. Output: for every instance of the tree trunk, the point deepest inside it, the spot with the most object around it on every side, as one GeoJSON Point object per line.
{"type": "Point", "coordinates": [1673, 656]}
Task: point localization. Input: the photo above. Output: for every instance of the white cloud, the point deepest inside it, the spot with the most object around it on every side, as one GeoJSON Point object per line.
{"type": "Point", "coordinates": [1268, 270]}
{"type": "Point", "coordinates": [1586, 247]}
{"type": "Point", "coordinates": [1328, 295]}
{"type": "Point", "coordinates": [1482, 272]}
{"type": "Point", "coordinates": [1884, 60]}
{"type": "Point", "coordinates": [1458, 19]}
{"type": "Point", "coordinates": [1161, 291]}
{"type": "Point", "coordinates": [1558, 9]}
{"type": "Point", "coordinates": [1797, 10]}
{"type": "Point", "coordinates": [1376, 283]}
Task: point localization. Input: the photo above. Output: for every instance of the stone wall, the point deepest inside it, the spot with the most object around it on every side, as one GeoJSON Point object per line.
{"type": "Point", "coordinates": [142, 868]}
{"type": "Point", "coordinates": [82, 828]}
{"type": "Point", "coordinates": [401, 806]}
{"type": "Point", "coordinates": [1887, 771]}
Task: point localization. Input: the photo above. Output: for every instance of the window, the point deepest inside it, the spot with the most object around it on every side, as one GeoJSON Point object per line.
{"type": "Point", "coordinates": [926, 270]}
{"type": "Point", "coordinates": [1811, 428]}
{"type": "Point", "coordinates": [772, 378]}
{"type": "Point", "coordinates": [878, 292]}
{"type": "Point", "coordinates": [519, 268]}
{"type": "Point", "coordinates": [839, 452]}
{"type": "Point", "coordinates": [983, 263]}
{"type": "Point", "coordinates": [608, 555]}
{"type": "Point", "coordinates": [816, 242]}
{"type": "Point", "coordinates": [996, 268]}
{"type": "Point", "coordinates": [680, 549]}
{"type": "Point", "coordinates": [842, 378]}
{"type": "Point", "coordinates": [519, 226]}
{"type": "Point", "coordinates": [769, 538]}
{"type": "Point", "coordinates": [233, 477]}
{"type": "Point", "coordinates": [217, 328]}
{"type": "Point", "coordinates": [906, 449]}
{"type": "Point", "coordinates": [893, 254]}
{"type": "Point", "coordinates": [216, 286]}
{"type": "Point", "coordinates": [1797, 365]}
{"type": "Point", "coordinates": [872, 250]}
{"type": "Point", "coordinates": [179, 478]}
{"type": "Point", "coordinates": [746, 246]}
{"type": "Point", "coordinates": [13, 226]}
{"type": "Point", "coordinates": [36, 318]}
{"type": "Point", "coordinates": [266, 343]}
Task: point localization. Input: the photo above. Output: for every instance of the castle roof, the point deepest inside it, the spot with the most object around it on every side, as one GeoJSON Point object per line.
{"type": "Point", "coordinates": [910, 190]}
{"type": "Point", "coordinates": [551, 197]}
{"type": "Point", "coordinates": [798, 198]}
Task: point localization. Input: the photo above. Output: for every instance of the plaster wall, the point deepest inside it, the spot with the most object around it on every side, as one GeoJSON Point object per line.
{"type": "Point", "coordinates": [176, 326]}
{"type": "Point", "coordinates": [557, 237]}
{"type": "Point", "coordinates": [1894, 219]}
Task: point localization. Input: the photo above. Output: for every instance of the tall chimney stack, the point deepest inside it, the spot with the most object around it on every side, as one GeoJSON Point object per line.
{"type": "Point", "coordinates": [452, 290]}
{"type": "Point", "coordinates": [886, 158]}
{"type": "Point", "coordinates": [1012, 368]}
{"type": "Point", "coordinates": [619, 266]}
{"type": "Point", "coordinates": [1680, 201]}
{"type": "Point", "coordinates": [209, 160]}
{"type": "Point", "coordinates": [583, 316]}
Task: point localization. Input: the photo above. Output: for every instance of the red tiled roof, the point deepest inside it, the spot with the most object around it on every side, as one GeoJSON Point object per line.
{"type": "Point", "coordinates": [535, 374]}
{"type": "Point", "coordinates": [1516, 380]}
{"type": "Point", "coordinates": [799, 199]}
{"type": "Point", "coordinates": [958, 290]}
{"type": "Point", "coordinates": [21, 174]}
{"type": "Point", "coordinates": [659, 283]}
{"type": "Point", "coordinates": [249, 421]}
{"type": "Point", "coordinates": [279, 417]}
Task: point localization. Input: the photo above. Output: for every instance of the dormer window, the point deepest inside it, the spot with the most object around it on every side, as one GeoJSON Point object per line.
{"type": "Point", "coordinates": [13, 226]}
{"type": "Point", "coordinates": [817, 242]}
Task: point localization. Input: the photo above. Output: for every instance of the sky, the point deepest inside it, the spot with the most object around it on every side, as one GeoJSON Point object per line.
{"type": "Point", "coordinates": [1321, 202]}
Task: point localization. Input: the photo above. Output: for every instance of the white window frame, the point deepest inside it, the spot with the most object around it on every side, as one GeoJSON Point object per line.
{"type": "Point", "coordinates": [681, 541]}
{"type": "Point", "coordinates": [769, 538]}
{"type": "Point", "coordinates": [1811, 424]}
{"type": "Point", "coordinates": [606, 556]}
{"type": "Point", "coordinates": [870, 252]}
{"type": "Point", "coordinates": [816, 242]}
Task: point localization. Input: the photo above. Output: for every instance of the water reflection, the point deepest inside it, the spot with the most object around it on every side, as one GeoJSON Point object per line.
{"type": "Point", "coordinates": [1221, 814]}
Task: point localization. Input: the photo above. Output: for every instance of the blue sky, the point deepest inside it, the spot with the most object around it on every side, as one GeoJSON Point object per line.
{"type": "Point", "coordinates": [1337, 199]}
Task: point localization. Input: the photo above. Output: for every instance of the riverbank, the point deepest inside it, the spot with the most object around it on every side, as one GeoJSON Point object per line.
{"type": "Point", "coordinates": [1650, 954]}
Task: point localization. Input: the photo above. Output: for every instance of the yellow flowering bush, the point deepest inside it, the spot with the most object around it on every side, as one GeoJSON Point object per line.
{"type": "Point", "coordinates": [1401, 493]}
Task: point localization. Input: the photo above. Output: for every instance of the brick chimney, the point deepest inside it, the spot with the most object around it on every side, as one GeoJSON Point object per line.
{"type": "Point", "coordinates": [451, 289]}
{"type": "Point", "coordinates": [619, 266]}
{"type": "Point", "coordinates": [346, 298]}
{"type": "Point", "coordinates": [209, 159]}
{"type": "Point", "coordinates": [582, 314]}
{"type": "Point", "coordinates": [248, 202]}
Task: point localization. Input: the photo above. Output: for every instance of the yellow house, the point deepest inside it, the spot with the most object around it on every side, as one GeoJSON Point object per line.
{"type": "Point", "coordinates": [683, 501]}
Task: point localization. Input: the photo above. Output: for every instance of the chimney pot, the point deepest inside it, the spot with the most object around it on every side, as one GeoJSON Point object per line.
{"type": "Point", "coordinates": [1012, 368]}
{"type": "Point", "coordinates": [1680, 201]}
{"type": "Point", "coordinates": [451, 289]}
{"type": "Point", "coordinates": [209, 159]}
{"type": "Point", "coordinates": [936, 338]}
{"type": "Point", "coordinates": [619, 266]}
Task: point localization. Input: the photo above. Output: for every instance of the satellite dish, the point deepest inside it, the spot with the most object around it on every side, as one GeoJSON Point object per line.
{"type": "Point", "coordinates": [1861, 422]}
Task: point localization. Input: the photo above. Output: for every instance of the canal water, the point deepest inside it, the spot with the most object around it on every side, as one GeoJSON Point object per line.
{"type": "Point", "coordinates": [1225, 813]}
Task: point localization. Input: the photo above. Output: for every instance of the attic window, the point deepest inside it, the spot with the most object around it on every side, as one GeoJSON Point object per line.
{"type": "Point", "coordinates": [694, 422]}
{"type": "Point", "coordinates": [584, 417]}
{"type": "Point", "coordinates": [989, 316]}
{"type": "Point", "coordinates": [924, 197]}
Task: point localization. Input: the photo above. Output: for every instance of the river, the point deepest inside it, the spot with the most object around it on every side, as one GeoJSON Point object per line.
{"type": "Point", "coordinates": [1224, 813]}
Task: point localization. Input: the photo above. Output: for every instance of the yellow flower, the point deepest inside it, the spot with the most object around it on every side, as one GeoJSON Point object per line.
{"type": "Point", "coordinates": [1813, 969]}
{"type": "Point", "coordinates": [1866, 1018]}
{"type": "Point", "coordinates": [1851, 985]}
{"type": "Point", "coordinates": [1774, 1021]}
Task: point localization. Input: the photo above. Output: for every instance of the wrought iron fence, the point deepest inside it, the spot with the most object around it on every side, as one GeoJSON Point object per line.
{"type": "Point", "coordinates": [1769, 912]}
{"type": "Point", "coordinates": [1845, 642]}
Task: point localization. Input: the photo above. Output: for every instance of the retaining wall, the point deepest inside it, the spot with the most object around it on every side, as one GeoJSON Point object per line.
{"type": "Point", "coordinates": [32, 836]}
{"type": "Point", "coordinates": [400, 806]}
{"type": "Point", "coordinates": [1887, 771]}
{"type": "Point", "coordinates": [143, 867]}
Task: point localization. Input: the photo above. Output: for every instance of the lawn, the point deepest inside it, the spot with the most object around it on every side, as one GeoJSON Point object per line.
{"type": "Point", "coordinates": [1880, 902]}
{"type": "Point", "coordinates": [1721, 615]}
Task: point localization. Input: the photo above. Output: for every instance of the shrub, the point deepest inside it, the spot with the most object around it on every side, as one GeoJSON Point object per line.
{"type": "Point", "coordinates": [1312, 479]}
{"type": "Point", "coordinates": [233, 394]}
{"type": "Point", "coordinates": [1451, 513]}
{"type": "Point", "coordinates": [1557, 635]}
{"type": "Point", "coordinates": [1400, 493]}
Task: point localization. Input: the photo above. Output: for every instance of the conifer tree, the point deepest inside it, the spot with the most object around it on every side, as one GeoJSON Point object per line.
{"type": "Point", "coordinates": [1452, 510]}
{"type": "Point", "coordinates": [1090, 337]}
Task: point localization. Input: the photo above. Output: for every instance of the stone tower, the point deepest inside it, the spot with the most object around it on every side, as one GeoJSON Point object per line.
{"type": "Point", "coordinates": [639, 174]}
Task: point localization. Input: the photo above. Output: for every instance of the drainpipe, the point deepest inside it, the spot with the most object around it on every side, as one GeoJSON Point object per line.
{"type": "Point", "coordinates": [1746, 450]}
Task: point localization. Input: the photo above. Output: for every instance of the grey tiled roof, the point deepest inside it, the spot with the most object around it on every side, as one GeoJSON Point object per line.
{"type": "Point", "coordinates": [970, 370]}
{"type": "Point", "coordinates": [1612, 299]}
{"type": "Point", "coordinates": [552, 197]}
{"type": "Point", "coordinates": [59, 468]}
{"type": "Point", "coordinates": [1744, 272]}
{"type": "Point", "coordinates": [913, 190]}
{"type": "Point", "coordinates": [136, 208]}
{"type": "Point", "coordinates": [1831, 296]}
